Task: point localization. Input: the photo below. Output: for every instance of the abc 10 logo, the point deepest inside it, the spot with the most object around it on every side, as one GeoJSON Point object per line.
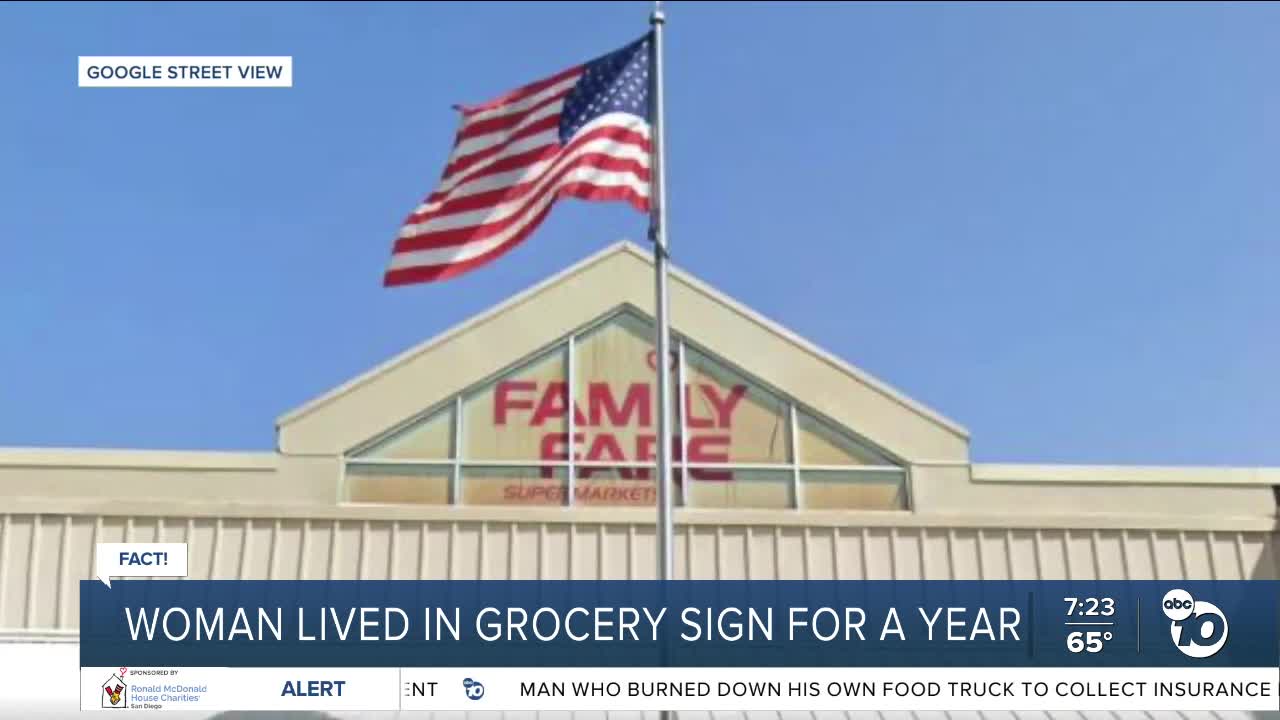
{"type": "Point", "coordinates": [1199, 628]}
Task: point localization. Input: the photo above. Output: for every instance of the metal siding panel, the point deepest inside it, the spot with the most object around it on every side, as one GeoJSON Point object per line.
{"type": "Point", "coordinates": [259, 543]}
{"type": "Point", "coordinates": [1194, 552]}
{"type": "Point", "coordinates": [680, 568]}
{"type": "Point", "coordinates": [555, 552]}
{"type": "Point", "coordinates": [1269, 564]}
{"type": "Point", "coordinates": [907, 553]}
{"type": "Point", "coordinates": [644, 551]}
{"type": "Point", "coordinates": [524, 557]}
{"type": "Point", "coordinates": [244, 568]}
{"type": "Point", "coordinates": [172, 529]}
{"type": "Point", "coordinates": [279, 538]}
{"type": "Point", "coordinates": [286, 549]}
{"type": "Point", "coordinates": [144, 529]}
{"type": "Point", "coordinates": [685, 568]}
{"type": "Point", "coordinates": [878, 552]}
{"type": "Point", "coordinates": [848, 555]}
{"type": "Point", "coordinates": [344, 548]}
{"type": "Point", "coordinates": [1136, 555]}
{"type": "Point", "coordinates": [789, 551]}
{"type": "Point", "coordinates": [434, 539]}
{"type": "Point", "coordinates": [993, 562]}
{"type": "Point", "coordinates": [928, 545]}
{"type": "Point", "coordinates": [313, 560]}
{"type": "Point", "coordinates": [586, 551]}
{"type": "Point", "coordinates": [71, 538]}
{"type": "Point", "coordinates": [7, 580]}
{"type": "Point", "coordinates": [757, 548]}
{"type": "Point", "coordinates": [79, 566]}
{"type": "Point", "coordinates": [1108, 549]}
{"type": "Point", "coordinates": [965, 551]}
{"type": "Point", "coordinates": [228, 542]}
{"type": "Point", "coordinates": [256, 549]}
{"type": "Point", "coordinates": [1052, 547]}
{"type": "Point", "coordinates": [402, 564]}
{"type": "Point", "coordinates": [701, 549]}
{"type": "Point", "coordinates": [1256, 555]}
{"type": "Point", "coordinates": [1164, 553]}
{"type": "Point", "coordinates": [933, 553]}
{"type": "Point", "coordinates": [30, 570]}
{"type": "Point", "coordinates": [464, 555]}
{"type": "Point", "coordinates": [494, 540]}
{"type": "Point", "coordinates": [732, 550]}
{"type": "Point", "coordinates": [615, 547]}
{"type": "Point", "coordinates": [821, 549]}
{"type": "Point", "coordinates": [1138, 550]}
{"type": "Point", "coordinates": [1023, 559]}
{"type": "Point", "coordinates": [1080, 559]}
{"type": "Point", "coordinates": [375, 550]}
{"type": "Point", "coordinates": [42, 612]}
{"type": "Point", "coordinates": [16, 562]}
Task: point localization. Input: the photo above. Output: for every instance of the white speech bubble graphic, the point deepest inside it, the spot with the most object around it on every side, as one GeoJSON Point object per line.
{"type": "Point", "coordinates": [140, 560]}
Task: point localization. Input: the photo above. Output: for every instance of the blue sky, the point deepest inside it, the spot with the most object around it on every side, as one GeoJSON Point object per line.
{"type": "Point", "coordinates": [1058, 225]}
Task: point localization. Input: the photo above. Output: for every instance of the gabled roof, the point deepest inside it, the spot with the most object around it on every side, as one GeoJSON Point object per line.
{"type": "Point", "coordinates": [621, 274]}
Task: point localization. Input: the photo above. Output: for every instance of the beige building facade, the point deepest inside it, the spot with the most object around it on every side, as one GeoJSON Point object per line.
{"type": "Point", "coordinates": [520, 445]}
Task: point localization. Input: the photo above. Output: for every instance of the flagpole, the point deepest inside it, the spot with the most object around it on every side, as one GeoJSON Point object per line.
{"type": "Point", "coordinates": [662, 358]}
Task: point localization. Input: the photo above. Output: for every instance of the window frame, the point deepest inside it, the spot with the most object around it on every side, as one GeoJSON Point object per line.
{"type": "Point", "coordinates": [567, 344]}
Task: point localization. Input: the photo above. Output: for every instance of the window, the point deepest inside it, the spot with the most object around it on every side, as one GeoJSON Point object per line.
{"type": "Point", "coordinates": [519, 416]}
{"type": "Point", "coordinates": [576, 425]}
{"type": "Point", "coordinates": [430, 438]}
{"type": "Point", "coordinates": [730, 418]}
{"type": "Point", "coordinates": [410, 464]}
{"type": "Point", "coordinates": [398, 483]}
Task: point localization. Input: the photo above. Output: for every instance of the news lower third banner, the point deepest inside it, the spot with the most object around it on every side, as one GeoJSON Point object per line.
{"type": "Point", "coordinates": [691, 645]}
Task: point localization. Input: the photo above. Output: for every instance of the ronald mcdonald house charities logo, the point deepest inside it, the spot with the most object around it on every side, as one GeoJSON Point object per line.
{"type": "Point", "coordinates": [115, 693]}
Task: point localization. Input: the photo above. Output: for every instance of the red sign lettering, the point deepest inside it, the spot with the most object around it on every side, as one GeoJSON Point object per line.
{"type": "Point", "coordinates": [600, 402]}
{"type": "Point", "coordinates": [614, 412]}
{"type": "Point", "coordinates": [503, 402]}
{"type": "Point", "coordinates": [724, 406]}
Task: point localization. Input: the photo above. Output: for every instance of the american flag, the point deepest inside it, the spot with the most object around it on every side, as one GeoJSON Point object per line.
{"type": "Point", "coordinates": [582, 133]}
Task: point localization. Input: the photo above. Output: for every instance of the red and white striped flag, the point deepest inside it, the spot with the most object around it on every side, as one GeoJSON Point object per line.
{"type": "Point", "coordinates": [581, 133]}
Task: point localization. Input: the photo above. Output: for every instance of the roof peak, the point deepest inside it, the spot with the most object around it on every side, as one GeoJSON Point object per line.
{"type": "Point", "coordinates": [598, 281]}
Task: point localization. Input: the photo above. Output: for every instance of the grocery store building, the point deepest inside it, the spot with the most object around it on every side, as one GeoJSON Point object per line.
{"type": "Point", "coordinates": [520, 445]}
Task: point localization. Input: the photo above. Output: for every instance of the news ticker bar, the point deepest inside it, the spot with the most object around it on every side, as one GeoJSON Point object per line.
{"type": "Point", "coordinates": [691, 689]}
{"type": "Point", "coordinates": [713, 624]}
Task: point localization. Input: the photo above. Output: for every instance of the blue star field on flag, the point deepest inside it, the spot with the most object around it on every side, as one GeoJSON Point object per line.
{"type": "Point", "coordinates": [617, 82]}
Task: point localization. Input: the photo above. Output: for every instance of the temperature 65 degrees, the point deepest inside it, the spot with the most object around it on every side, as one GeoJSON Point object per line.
{"type": "Point", "coordinates": [1087, 640]}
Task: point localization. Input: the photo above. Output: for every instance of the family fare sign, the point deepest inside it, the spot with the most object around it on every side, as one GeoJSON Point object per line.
{"type": "Point", "coordinates": [608, 411]}
{"type": "Point", "coordinates": [578, 425]}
